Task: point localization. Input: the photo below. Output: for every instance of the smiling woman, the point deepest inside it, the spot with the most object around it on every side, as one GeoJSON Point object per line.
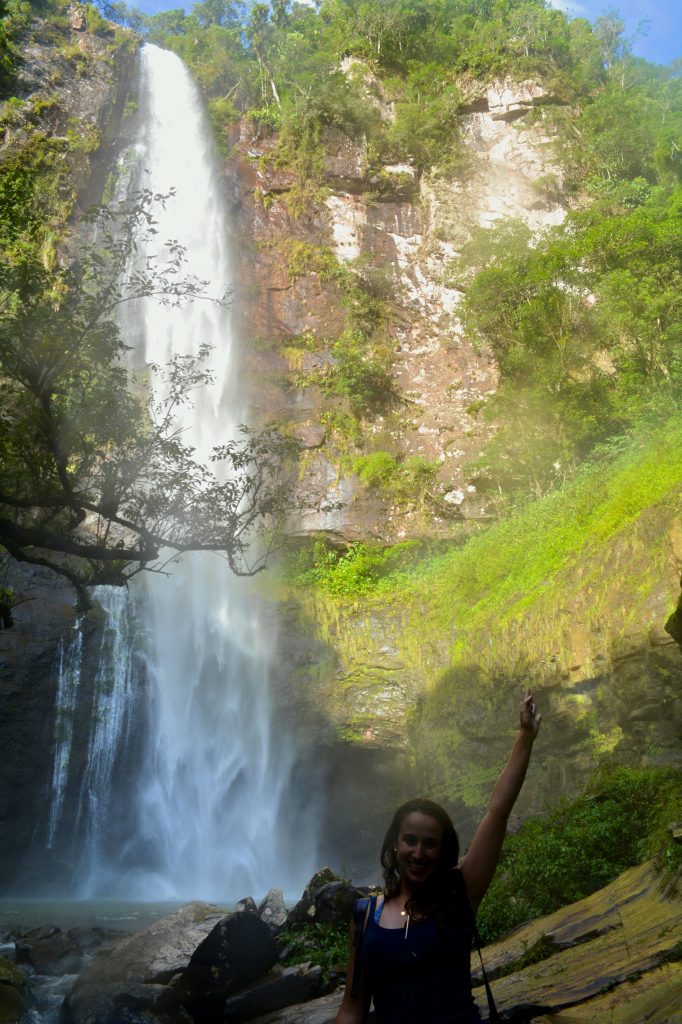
{"type": "Point", "coordinates": [410, 954]}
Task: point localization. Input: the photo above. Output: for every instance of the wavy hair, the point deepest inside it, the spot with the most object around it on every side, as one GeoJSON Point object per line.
{"type": "Point", "coordinates": [439, 895]}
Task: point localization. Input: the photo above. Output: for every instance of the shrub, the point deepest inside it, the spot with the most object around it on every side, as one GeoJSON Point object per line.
{"type": "Point", "coordinates": [583, 845]}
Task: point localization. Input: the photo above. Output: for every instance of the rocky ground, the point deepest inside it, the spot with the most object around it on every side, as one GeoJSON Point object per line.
{"type": "Point", "coordinates": [613, 958]}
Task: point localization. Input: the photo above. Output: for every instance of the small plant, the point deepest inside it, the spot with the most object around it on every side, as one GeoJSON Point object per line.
{"type": "Point", "coordinates": [324, 945]}
{"type": "Point", "coordinates": [8, 600]}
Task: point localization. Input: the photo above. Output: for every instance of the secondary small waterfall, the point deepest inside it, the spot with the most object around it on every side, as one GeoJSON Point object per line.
{"type": "Point", "coordinates": [208, 813]}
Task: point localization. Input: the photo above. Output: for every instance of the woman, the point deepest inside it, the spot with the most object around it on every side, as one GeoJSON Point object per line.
{"type": "Point", "coordinates": [416, 942]}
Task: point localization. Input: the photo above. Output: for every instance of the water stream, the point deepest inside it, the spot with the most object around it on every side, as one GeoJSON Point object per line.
{"type": "Point", "coordinates": [208, 811]}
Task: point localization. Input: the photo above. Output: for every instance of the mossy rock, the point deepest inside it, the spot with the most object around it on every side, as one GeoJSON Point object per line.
{"type": "Point", "coordinates": [13, 1001]}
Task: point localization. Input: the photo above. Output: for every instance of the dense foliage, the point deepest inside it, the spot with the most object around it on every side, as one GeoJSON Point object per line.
{"type": "Point", "coordinates": [584, 321]}
{"type": "Point", "coordinates": [95, 481]}
{"type": "Point", "coordinates": [95, 478]}
{"type": "Point", "coordinates": [582, 845]}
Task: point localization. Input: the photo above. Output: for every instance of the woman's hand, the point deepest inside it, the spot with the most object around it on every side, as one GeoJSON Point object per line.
{"type": "Point", "coordinates": [529, 717]}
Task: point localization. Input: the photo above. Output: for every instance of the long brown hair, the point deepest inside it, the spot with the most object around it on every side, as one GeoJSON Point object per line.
{"type": "Point", "coordinates": [440, 894]}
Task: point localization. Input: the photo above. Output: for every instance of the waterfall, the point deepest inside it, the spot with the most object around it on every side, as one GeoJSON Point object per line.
{"type": "Point", "coordinates": [208, 813]}
{"type": "Point", "coordinates": [68, 682]}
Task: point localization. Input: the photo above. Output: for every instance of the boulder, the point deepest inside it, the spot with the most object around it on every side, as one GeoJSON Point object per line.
{"type": "Point", "coordinates": [300, 913]}
{"type": "Point", "coordinates": [247, 905]}
{"type": "Point", "coordinates": [292, 985]}
{"type": "Point", "coordinates": [273, 909]}
{"type": "Point", "coordinates": [157, 953]}
{"type": "Point", "coordinates": [239, 949]}
{"type": "Point", "coordinates": [333, 903]}
{"type": "Point", "coordinates": [13, 994]}
{"type": "Point", "coordinates": [317, 1011]}
{"type": "Point", "coordinates": [128, 1002]}
{"type": "Point", "coordinates": [48, 951]}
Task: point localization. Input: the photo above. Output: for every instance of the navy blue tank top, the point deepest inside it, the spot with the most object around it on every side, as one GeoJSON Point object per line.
{"type": "Point", "coordinates": [421, 976]}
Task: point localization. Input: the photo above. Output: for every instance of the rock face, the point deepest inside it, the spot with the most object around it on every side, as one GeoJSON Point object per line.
{"type": "Point", "coordinates": [159, 952]}
{"type": "Point", "coordinates": [617, 956]}
{"type": "Point", "coordinates": [238, 950]}
{"type": "Point", "coordinates": [186, 963]}
{"type": "Point", "coordinates": [608, 675]}
{"type": "Point", "coordinates": [410, 230]}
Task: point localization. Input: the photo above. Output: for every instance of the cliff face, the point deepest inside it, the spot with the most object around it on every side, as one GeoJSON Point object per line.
{"type": "Point", "coordinates": [407, 229]}
{"type": "Point", "coordinates": [437, 707]}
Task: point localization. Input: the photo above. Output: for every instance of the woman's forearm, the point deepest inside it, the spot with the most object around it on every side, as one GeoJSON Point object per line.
{"type": "Point", "coordinates": [508, 786]}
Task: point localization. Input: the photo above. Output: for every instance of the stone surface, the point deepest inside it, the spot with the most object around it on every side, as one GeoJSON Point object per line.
{"type": "Point", "coordinates": [247, 905]}
{"type": "Point", "coordinates": [123, 1003]}
{"type": "Point", "coordinates": [48, 951]}
{"type": "Point", "coordinates": [238, 950]}
{"type": "Point", "coordinates": [273, 909]}
{"type": "Point", "coordinates": [157, 953]}
{"type": "Point", "coordinates": [289, 986]}
{"type": "Point", "coordinates": [318, 1011]}
{"type": "Point", "coordinates": [606, 942]}
{"type": "Point", "coordinates": [14, 1001]}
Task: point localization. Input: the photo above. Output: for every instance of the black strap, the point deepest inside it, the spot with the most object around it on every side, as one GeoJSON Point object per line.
{"type": "Point", "coordinates": [360, 918]}
{"type": "Point", "coordinates": [493, 1016]}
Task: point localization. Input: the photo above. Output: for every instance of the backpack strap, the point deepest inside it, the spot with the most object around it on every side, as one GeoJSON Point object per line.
{"type": "Point", "coordinates": [362, 911]}
{"type": "Point", "coordinates": [493, 1015]}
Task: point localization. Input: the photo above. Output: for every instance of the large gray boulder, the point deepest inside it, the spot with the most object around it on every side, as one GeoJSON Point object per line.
{"type": "Point", "coordinates": [273, 909]}
{"type": "Point", "coordinates": [156, 954]}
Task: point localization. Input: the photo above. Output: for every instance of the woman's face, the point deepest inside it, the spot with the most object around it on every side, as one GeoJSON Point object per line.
{"type": "Point", "coordinates": [419, 847]}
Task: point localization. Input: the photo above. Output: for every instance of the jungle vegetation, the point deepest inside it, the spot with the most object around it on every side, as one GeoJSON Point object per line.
{"type": "Point", "coordinates": [584, 321]}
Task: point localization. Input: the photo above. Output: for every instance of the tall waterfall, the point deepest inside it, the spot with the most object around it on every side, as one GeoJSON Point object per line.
{"type": "Point", "coordinates": [208, 814]}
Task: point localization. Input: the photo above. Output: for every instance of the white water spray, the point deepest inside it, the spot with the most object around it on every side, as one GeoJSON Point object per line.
{"type": "Point", "coordinates": [209, 819]}
{"type": "Point", "coordinates": [68, 683]}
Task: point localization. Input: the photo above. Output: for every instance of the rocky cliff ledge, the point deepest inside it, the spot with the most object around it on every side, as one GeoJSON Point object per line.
{"type": "Point", "coordinates": [404, 229]}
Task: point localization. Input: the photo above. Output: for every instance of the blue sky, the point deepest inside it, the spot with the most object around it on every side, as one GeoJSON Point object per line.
{"type": "Point", "coordinates": [662, 43]}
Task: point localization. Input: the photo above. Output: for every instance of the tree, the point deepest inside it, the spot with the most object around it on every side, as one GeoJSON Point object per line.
{"type": "Point", "coordinates": [96, 482]}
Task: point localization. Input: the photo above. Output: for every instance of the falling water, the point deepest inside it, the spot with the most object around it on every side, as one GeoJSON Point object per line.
{"type": "Point", "coordinates": [210, 815]}
{"type": "Point", "coordinates": [68, 682]}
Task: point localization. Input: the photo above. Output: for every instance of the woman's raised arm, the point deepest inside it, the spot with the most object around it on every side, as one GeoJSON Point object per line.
{"type": "Point", "coordinates": [478, 866]}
